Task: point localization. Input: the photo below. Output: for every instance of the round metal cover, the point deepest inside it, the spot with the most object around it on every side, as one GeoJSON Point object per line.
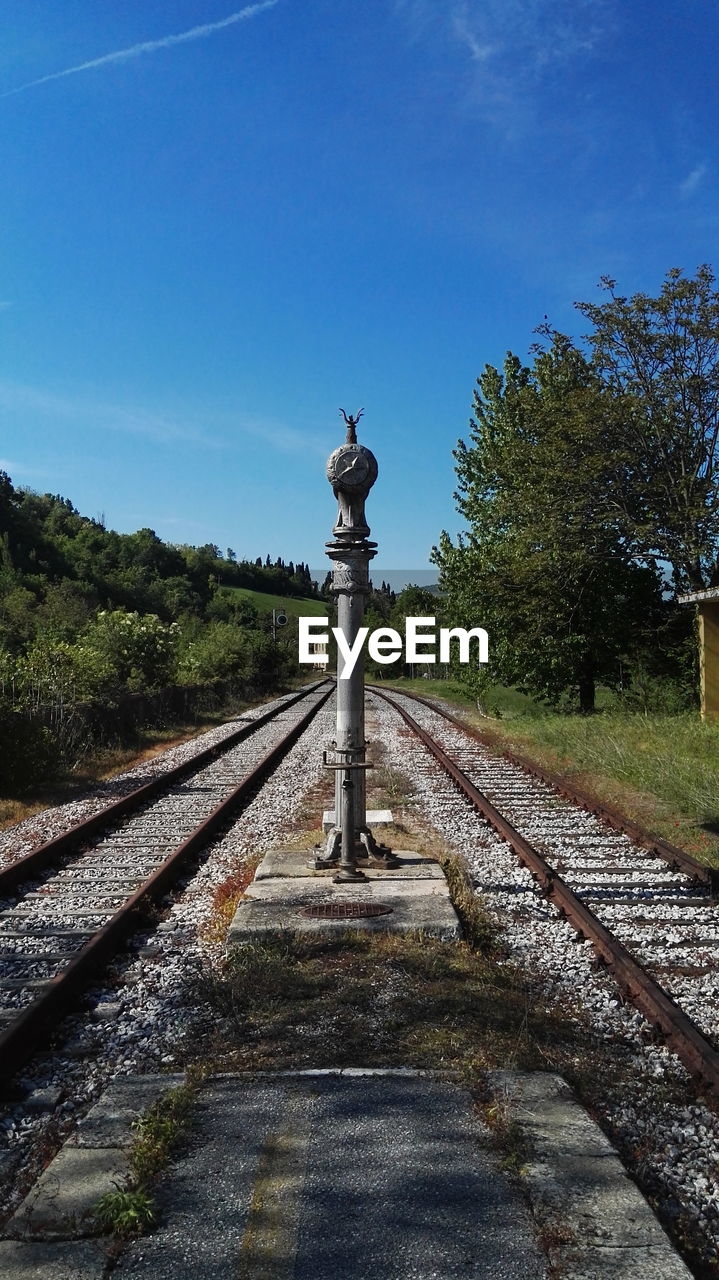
{"type": "Point", "coordinates": [344, 910]}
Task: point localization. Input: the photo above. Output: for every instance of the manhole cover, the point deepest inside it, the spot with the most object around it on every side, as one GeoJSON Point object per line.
{"type": "Point", "coordinates": [344, 910]}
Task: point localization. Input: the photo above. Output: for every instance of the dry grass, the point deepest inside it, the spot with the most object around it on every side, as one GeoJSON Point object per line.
{"type": "Point", "coordinates": [376, 1000]}
{"type": "Point", "coordinates": [225, 901]}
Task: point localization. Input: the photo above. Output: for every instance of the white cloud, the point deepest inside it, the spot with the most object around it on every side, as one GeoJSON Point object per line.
{"type": "Point", "coordinates": [480, 51]}
{"type": "Point", "coordinates": [692, 181]}
{"type": "Point", "coordinates": [18, 399]}
{"type": "Point", "coordinates": [221, 430]}
{"type": "Point", "coordinates": [150, 46]}
{"type": "Point", "coordinates": [15, 469]}
{"type": "Point", "coordinates": [530, 35]}
{"type": "Point", "coordinates": [515, 46]}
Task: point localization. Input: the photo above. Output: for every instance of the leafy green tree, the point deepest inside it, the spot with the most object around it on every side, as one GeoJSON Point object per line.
{"type": "Point", "coordinates": [544, 565]}
{"type": "Point", "coordinates": [18, 615]}
{"type": "Point", "coordinates": [216, 651]}
{"type": "Point", "coordinates": [660, 358]}
{"type": "Point", "coordinates": [55, 675]}
{"type": "Point", "coordinates": [141, 648]}
{"type": "Point", "coordinates": [66, 608]}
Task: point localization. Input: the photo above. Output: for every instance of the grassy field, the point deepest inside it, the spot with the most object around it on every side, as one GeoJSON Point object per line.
{"type": "Point", "coordinates": [661, 770]}
{"type": "Point", "coordinates": [293, 607]}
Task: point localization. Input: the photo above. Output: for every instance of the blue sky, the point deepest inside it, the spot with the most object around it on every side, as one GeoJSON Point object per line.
{"type": "Point", "coordinates": [210, 244]}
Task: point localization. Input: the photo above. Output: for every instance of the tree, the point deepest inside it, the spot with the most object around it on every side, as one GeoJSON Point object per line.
{"type": "Point", "coordinates": [660, 358]}
{"type": "Point", "coordinates": [140, 647]}
{"type": "Point", "coordinates": [544, 565]}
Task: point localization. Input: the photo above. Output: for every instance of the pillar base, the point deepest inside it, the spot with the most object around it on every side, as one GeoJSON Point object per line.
{"type": "Point", "coordinates": [367, 851]}
{"type": "Point", "coordinates": [348, 875]}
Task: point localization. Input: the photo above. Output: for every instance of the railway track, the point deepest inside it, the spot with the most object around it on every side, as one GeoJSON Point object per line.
{"type": "Point", "coordinates": [67, 906]}
{"type": "Point", "coordinates": [648, 909]}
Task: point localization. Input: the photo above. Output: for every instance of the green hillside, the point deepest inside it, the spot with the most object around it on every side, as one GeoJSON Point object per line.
{"type": "Point", "coordinates": [264, 602]}
{"type": "Point", "coordinates": [89, 616]}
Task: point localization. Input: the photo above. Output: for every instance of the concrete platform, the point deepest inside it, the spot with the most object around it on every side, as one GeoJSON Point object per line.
{"type": "Point", "coordinates": [62, 1202]}
{"type": "Point", "coordinates": [282, 863]}
{"type": "Point", "coordinates": [68, 1260]}
{"type": "Point", "coordinates": [578, 1189]}
{"type": "Point", "coordinates": [322, 1177]}
{"type": "Point", "coordinates": [375, 818]}
{"type": "Point", "coordinates": [416, 893]}
{"type": "Point", "coordinates": [352, 1172]}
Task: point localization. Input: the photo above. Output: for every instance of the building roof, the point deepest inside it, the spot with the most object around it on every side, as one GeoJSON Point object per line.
{"type": "Point", "coordinates": [695, 597]}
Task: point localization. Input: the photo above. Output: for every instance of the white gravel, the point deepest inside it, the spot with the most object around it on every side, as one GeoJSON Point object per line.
{"type": "Point", "coordinates": [632, 892]}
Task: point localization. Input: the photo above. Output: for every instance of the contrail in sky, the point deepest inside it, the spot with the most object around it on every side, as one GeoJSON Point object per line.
{"type": "Point", "coordinates": [149, 46]}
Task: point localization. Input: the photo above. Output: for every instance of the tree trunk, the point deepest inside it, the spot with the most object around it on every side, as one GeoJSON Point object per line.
{"type": "Point", "coordinates": [586, 686]}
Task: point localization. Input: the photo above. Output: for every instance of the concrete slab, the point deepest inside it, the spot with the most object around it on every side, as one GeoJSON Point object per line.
{"type": "Point", "coordinates": [281, 863]}
{"type": "Point", "coordinates": [576, 1181]}
{"type": "Point", "coordinates": [375, 818]}
{"type": "Point", "coordinates": [70, 1260]}
{"type": "Point", "coordinates": [110, 1122]}
{"type": "Point", "coordinates": [60, 1205]}
{"type": "Point", "coordinates": [316, 1178]}
{"type": "Point", "coordinates": [272, 906]}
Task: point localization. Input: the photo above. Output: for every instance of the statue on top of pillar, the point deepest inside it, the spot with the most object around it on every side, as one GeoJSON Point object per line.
{"type": "Point", "coordinates": [351, 470]}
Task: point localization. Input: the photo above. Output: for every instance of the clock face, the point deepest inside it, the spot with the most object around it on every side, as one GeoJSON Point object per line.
{"type": "Point", "coordinates": [352, 467]}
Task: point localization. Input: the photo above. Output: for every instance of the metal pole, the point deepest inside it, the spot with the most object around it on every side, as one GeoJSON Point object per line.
{"type": "Point", "coordinates": [348, 856]}
{"type": "Point", "coordinates": [350, 739]}
{"type": "Point", "coordinates": [351, 470]}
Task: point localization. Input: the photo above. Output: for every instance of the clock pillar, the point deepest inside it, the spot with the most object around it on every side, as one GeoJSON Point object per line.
{"type": "Point", "coordinates": [351, 470]}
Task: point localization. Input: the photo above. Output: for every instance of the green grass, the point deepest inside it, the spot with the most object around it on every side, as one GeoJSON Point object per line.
{"type": "Point", "coordinates": [131, 1210]}
{"type": "Point", "coordinates": [497, 701]}
{"type": "Point", "coordinates": [293, 607]}
{"type": "Point", "coordinates": [675, 758]}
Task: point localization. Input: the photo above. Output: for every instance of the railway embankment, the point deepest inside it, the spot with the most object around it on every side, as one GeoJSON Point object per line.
{"type": "Point", "coordinates": [519, 992]}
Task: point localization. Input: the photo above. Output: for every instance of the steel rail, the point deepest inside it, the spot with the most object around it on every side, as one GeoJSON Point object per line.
{"type": "Point", "coordinates": [696, 1052]}
{"type": "Point", "coordinates": [51, 850]}
{"type": "Point", "coordinates": [677, 858]}
{"type": "Point", "coordinates": [20, 1039]}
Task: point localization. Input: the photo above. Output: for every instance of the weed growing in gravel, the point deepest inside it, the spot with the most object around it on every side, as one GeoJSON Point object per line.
{"type": "Point", "coordinates": [128, 1212]}
{"type": "Point", "coordinates": [157, 1131]}
{"type": "Point", "coordinates": [511, 1138]}
{"type": "Point", "coordinates": [225, 900]}
{"type": "Point", "coordinates": [395, 787]}
{"type": "Point", "coordinates": [125, 1213]}
{"type": "Point", "coordinates": [477, 925]}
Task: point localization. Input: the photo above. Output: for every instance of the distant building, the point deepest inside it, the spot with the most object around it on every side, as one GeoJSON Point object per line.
{"type": "Point", "coordinates": [318, 650]}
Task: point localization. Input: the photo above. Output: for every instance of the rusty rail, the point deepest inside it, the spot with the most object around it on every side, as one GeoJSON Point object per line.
{"type": "Point", "coordinates": [697, 1053]}
{"type": "Point", "coordinates": [677, 858]}
{"type": "Point", "coordinates": [20, 1039]}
